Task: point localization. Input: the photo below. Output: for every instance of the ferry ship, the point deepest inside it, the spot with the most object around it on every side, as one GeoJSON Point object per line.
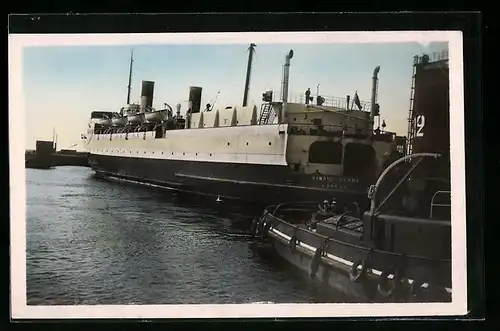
{"type": "Point", "coordinates": [313, 150]}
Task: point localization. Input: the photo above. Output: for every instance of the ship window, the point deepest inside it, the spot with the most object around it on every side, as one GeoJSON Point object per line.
{"type": "Point", "coordinates": [359, 160]}
{"type": "Point", "coordinates": [326, 152]}
{"type": "Point", "coordinates": [269, 143]}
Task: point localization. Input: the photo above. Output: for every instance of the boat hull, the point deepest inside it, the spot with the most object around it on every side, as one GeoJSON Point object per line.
{"type": "Point", "coordinates": [341, 252]}
{"type": "Point", "coordinates": [248, 182]}
{"type": "Point", "coordinates": [101, 121]}
{"type": "Point", "coordinates": [119, 121]}
{"type": "Point", "coordinates": [156, 116]}
{"type": "Point", "coordinates": [136, 119]}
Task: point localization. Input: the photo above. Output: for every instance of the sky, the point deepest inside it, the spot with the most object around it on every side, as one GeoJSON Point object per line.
{"type": "Point", "coordinates": [62, 85]}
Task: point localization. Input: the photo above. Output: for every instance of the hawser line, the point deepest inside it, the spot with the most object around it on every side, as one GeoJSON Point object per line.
{"type": "Point", "coordinates": [264, 184]}
{"type": "Point", "coordinates": [166, 187]}
{"type": "Point", "coordinates": [343, 261]}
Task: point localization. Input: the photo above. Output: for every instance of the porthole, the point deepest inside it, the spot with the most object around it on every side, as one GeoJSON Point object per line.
{"type": "Point", "coordinates": [172, 153]}
{"type": "Point", "coordinates": [269, 143]}
{"type": "Point", "coordinates": [210, 154]}
{"type": "Point", "coordinates": [183, 153]}
{"type": "Point", "coordinates": [162, 153]}
{"type": "Point", "coordinates": [196, 153]}
{"type": "Point", "coordinates": [228, 143]}
{"type": "Point", "coordinates": [247, 143]}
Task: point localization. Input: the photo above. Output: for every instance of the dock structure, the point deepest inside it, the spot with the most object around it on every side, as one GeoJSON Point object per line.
{"type": "Point", "coordinates": [46, 157]}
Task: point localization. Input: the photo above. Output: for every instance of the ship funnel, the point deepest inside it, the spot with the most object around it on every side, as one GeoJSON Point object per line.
{"type": "Point", "coordinates": [195, 99]}
{"type": "Point", "coordinates": [286, 76]}
{"type": "Point", "coordinates": [373, 101]}
{"type": "Point", "coordinates": [178, 108]}
{"type": "Point", "coordinates": [147, 95]}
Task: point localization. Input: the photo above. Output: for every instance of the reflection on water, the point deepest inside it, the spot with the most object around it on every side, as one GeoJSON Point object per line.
{"type": "Point", "coordinates": [90, 241]}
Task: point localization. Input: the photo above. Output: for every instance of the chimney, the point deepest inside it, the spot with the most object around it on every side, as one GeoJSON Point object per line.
{"type": "Point", "coordinates": [374, 93]}
{"type": "Point", "coordinates": [147, 95]}
{"type": "Point", "coordinates": [195, 99]}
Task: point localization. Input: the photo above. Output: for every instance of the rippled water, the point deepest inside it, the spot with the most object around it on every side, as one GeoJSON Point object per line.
{"type": "Point", "coordinates": [90, 241]}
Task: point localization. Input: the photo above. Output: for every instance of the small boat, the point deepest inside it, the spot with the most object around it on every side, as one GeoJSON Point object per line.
{"type": "Point", "coordinates": [156, 116]}
{"type": "Point", "coordinates": [119, 120]}
{"type": "Point", "coordinates": [137, 118]}
{"type": "Point", "coordinates": [390, 253]}
{"type": "Point", "coordinates": [101, 118]}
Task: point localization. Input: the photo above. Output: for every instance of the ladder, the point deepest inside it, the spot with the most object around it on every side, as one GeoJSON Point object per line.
{"type": "Point", "coordinates": [409, 141]}
{"type": "Point", "coordinates": [267, 113]}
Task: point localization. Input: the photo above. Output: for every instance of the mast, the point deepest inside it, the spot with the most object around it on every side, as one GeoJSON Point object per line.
{"type": "Point", "coordinates": [130, 77]}
{"type": "Point", "coordinates": [249, 69]}
{"type": "Point", "coordinates": [53, 138]}
{"type": "Point", "coordinates": [286, 77]}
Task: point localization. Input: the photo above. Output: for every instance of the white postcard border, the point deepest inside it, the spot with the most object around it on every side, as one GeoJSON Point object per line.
{"type": "Point", "coordinates": [17, 127]}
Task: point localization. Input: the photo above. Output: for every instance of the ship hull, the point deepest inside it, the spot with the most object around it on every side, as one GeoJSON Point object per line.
{"type": "Point", "coordinates": [262, 184]}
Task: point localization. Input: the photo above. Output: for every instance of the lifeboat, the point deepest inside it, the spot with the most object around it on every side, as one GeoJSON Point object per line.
{"type": "Point", "coordinates": [156, 116]}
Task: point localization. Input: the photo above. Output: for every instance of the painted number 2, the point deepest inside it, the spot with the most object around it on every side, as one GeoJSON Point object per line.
{"type": "Point", "coordinates": [419, 124]}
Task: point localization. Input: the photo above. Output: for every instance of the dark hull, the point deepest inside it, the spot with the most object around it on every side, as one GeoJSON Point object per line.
{"type": "Point", "coordinates": [39, 163]}
{"type": "Point", "coordinates": [266, 184]}
{"type": "Point", "coordinates": [344, 249]}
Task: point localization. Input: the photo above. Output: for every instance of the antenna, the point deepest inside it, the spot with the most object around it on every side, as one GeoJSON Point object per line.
{"type": "Point", "coordinates": [130, 76]}
{"type": "Point", "coordinates": [251, 50]}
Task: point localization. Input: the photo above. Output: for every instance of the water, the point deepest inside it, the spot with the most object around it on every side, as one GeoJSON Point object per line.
{"type": "Point", "coordinates": [91, 241]}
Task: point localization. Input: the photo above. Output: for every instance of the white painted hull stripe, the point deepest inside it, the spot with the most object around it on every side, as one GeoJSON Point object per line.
{"type": "Point", "coordinates": [341, 260]}
{"type": "Point", "coordinates": [147, 153]}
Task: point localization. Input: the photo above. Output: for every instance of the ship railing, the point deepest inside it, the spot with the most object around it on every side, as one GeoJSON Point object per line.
{"type": "Point", "coordinates": [443, 205]}
{"type": "Point", "coordinates": [373, 189]}
{"type": "Point", "coordinates": [433, 57]}
{"type": "Point", "coordinates": [329, 101]}
{"type": "Point", "coordinates": [326, 130]}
